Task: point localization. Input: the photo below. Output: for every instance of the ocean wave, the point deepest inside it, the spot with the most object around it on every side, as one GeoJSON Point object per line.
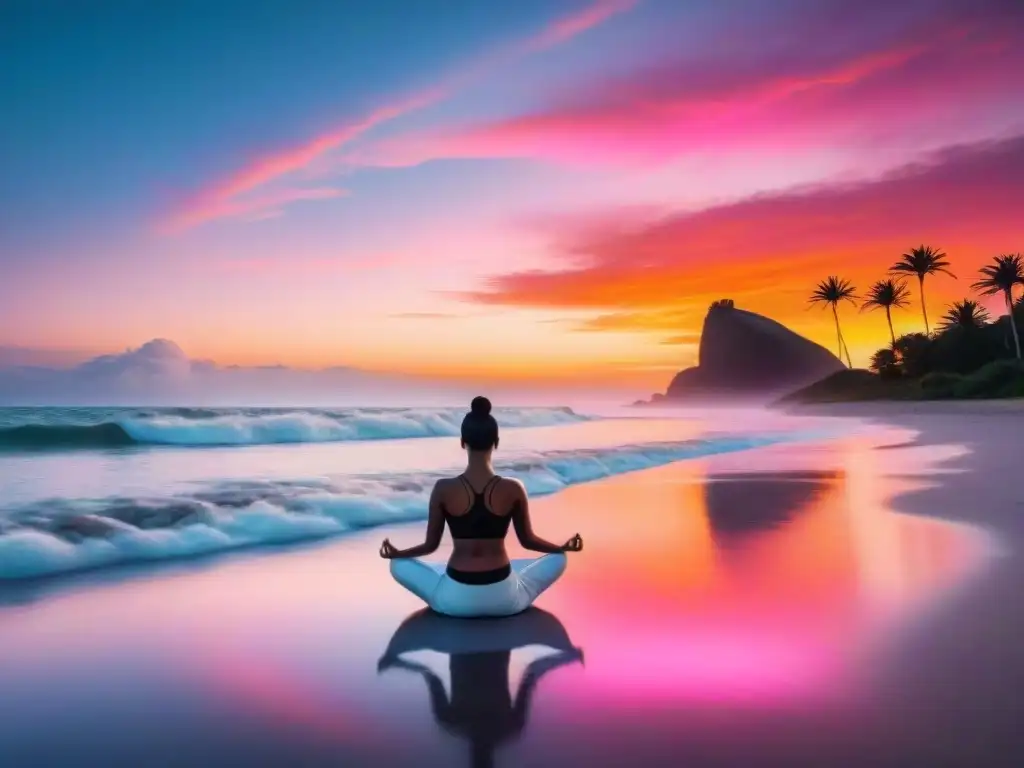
{"type": "Point", "coordinates": [65, 535]}
{"type": "Point", "coordinates": [70, 429]}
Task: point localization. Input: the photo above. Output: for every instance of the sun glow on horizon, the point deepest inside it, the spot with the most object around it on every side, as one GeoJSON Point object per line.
{"type": "Point", "coordinates": [524, 194]}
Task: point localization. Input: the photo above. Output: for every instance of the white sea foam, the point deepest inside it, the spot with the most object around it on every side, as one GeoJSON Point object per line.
{"type": "Point", "coordinates": [83, 429]}
{"type": "Point", "coordinates": [46, 538]}
{"type": "Point", "coordinates": [325, 426]}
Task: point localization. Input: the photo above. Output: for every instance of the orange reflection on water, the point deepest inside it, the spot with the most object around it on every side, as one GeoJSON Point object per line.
{"type": "Point", "coordinates": [711, 584]}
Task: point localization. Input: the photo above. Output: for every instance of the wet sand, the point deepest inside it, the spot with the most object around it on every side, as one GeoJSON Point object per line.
{"type": "Point", "coordinates": [770, 607]}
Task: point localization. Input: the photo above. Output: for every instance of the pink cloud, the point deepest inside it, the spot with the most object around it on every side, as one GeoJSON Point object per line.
{"type": "Point", "coordinates": [570, 26]}
{"type": "Point", "coordinates": [220, 199]}
{"type": "Point", "coordinates": [924, 81]}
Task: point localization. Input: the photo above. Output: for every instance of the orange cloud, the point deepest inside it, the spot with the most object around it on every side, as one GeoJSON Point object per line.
{"type": "Point", "coordinates": [686, 339]}
{"type": "Point", "coordinates": [767, 252]}
{"type": "Point", "coordinates": [221, 199]}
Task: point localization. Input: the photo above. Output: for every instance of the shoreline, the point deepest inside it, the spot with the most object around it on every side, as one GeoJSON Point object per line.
{"type": "Point", "coordinates": [903, 408]}
{"type": "Point", "coordinates": [991, 431]}
{"type": "Point", "coordinates": [930, 420]}
{"type": "Point", "coordinates": [937, 423]}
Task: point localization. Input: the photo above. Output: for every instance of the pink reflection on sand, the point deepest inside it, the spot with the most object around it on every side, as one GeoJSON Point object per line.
{"type": "Point", "coordinates": [652, 668]}
{"type": "Point", "coordinates": [792, 611]}
{"type": "Point", "coordinates": [278, 695]}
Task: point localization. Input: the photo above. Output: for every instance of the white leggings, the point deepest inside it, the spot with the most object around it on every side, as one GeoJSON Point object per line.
{"type": "Point", "coordinates": [514, 594]}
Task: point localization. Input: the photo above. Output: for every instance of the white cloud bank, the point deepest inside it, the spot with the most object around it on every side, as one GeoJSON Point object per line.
{"type": "Point", "coordinates": [160, 373]}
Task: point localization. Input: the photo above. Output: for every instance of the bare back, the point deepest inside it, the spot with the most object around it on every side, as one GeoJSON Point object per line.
{"type": "Point", "coordinates": [478, 511]}
{"type": "Point", "coordinates": [500, 497]}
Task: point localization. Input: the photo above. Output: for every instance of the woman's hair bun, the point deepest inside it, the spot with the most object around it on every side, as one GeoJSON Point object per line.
{"type": "Point", "coordinates": [479, 429]}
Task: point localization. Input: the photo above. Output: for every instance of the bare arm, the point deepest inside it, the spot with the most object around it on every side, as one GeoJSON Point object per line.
{"type": "Point", "coordinates": [524, 527]}
{"type": "Point", "coordinates": [435, 528]}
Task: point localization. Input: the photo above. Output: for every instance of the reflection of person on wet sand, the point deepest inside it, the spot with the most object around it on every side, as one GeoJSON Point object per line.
{"type": "Point", "coordinates": [481, 707]}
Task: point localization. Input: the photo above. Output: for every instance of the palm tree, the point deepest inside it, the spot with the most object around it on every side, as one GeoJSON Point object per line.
{"type": "Point", "coordinates": [966, 314]}
{"type": "Point", "coordinates": [1001, 276]}
{"type": "Point", "coordinates": [886, 294]}
{"type": "Point", "coordinates": [922, 261]}
{"type": "Point", "coordinates": [829, 293]}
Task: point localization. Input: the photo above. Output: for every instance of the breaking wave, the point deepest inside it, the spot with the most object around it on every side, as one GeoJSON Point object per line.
{"type": "Point", "coordinates": [65, 535]}
{"type": "Point", "coordinates": [83, 429]}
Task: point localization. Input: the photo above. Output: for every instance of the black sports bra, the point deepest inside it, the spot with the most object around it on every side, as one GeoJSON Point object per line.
{"type": "Point", "coordinates": [479, 522]}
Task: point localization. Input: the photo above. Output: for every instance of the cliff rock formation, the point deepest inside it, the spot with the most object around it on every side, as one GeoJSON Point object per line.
{"type": "Point", "coordinates": [743, 354]}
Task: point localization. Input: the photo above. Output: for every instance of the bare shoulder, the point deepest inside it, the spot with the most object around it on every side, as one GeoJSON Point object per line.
{"type": "Point", "coordinates": [512, 488]}
{"type": "Point", "coordinates": [447, 484]}
{"type": "Point", "coordinates": [444, 486]}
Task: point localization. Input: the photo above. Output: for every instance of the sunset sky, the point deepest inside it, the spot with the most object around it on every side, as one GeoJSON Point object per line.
{"type": "Point", "coordinates": [545, 189]}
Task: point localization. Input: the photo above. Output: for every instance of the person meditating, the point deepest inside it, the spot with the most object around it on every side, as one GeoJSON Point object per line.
{"type": "Point", "coordinates": [479, 579]}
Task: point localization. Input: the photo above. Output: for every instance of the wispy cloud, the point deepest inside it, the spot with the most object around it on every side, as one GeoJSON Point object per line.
{"type": "Point", "coordinates": [426, 316]}
{"type": "Point", "coordinates": [685, 339]}
{"type": "Point", "coordinates": [880, 78]}
{"type": "Point", "coordinates": [572, 25]}
{"type": "Point", "coordinates": [225, 198]}
{"type": "Point", "coordinates": [296, 266]}
{"type": "Point", "coordinates": [251, 208]}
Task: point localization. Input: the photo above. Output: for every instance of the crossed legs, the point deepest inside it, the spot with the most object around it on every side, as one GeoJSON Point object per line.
{"type": "Point", "coordinates": [536, 574]}
{"type": "Point", "coordinates": [529, 579]}
{"type": "Point", "coordinates": [418, 577]}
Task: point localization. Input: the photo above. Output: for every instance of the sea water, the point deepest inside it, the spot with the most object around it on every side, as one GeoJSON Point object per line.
{"type": "Point", "coordinates": [83, 488]}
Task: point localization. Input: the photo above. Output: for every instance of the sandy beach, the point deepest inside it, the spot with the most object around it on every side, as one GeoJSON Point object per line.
{"type": "Point", "coordinates": [844, 602]}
